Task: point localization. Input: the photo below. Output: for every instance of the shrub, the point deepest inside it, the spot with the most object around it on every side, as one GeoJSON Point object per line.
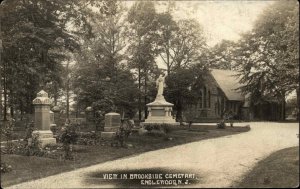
{"type": "Point", "coordinates": [68, 137]}
{"type": "Point", "coordinates": [149, 127]}
{"type": "Point", "coordinates": [29, 148]}
{"type": "Point", "coordinates": [54, 129]}
{"type": "Point", "coordinates": [88, 138]}
{"type": "Point", "coordinates": [156, 126]}
{"type": "Point", "coordinates": [29, 130]}
{"type": "Point", "coordinates": [156, 133]}
{"type": "Point", "coordinates": [5, 167]}
{"type": "Point", "coordinates": [7, 132]}
{"type": "Point", "coordinates": [32, 147]}
{"type": "Point", "coordinates": [122, 134]}
{"type": "Point", "coordinates": [119, 139]}
{"type": "Point", "coordinates": [221, 125]}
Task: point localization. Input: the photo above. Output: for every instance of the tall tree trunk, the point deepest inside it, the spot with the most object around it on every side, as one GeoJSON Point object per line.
{"type": "Point", "coordinates": [298, 104]}
{"type": "Point", "coordinates": [145, 97]}
{"type": "Point", "coordinates": [179, 111]}
{"type": "Point", "coordinates": [140, 96]}
{"type": "Point", "coordinates": [55, 96]}
{"type": "Point", "coordinates": [1, 86]}
{"type": "Point", "coordinates": [168, 59]}
{"type": "Point", "coordinates": [11, 103]}
{"type": "Point", "coordinates": [5, 93]}
{"type": "Point", "coordinates": [68, 105]}
{"type": "Point", "coordinates": [283, 103]}
{"type": "Point", "coordinates": [67, 91]}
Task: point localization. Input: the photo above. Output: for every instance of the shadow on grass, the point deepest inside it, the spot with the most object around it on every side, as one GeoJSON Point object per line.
{"type": "Point", "coordinates": [279, 170]}
{"type": "Point", "coordinates": [143, 178]}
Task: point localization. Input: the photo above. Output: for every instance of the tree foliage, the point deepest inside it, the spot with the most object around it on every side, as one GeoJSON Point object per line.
{"type": "Point", "coordinates": [143, 23]}
{"type": "Point", "coordinates": [102, 78]}
{"type": "Point", "coordinates": [221, 55]}
{"type": "Point", "coordinates": [180, 42]}
{"type": "Point", "coordinates": [34, 36]}
{"type": "Point", "coordinates": [183, 87]}
{"type": "Point", "coordinates": [268, 56]}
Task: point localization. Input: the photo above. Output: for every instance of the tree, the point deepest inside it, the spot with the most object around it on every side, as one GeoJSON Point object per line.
{"type": "Point", "coordinates": [183, 87]}
{"type": "Point", "coordinates": [268, 56]}
{"type": "Point", "coordinates": [102, 78]}
{"type": "Point", "coordinates": [143, 23]}
{"type": "Point", "coordinates": [35, 35]}
{"type": "Point", "coordinates": [180, 42]}
{"type": "Point", "coordinates": [167, 28]}
{"type": "Point", "coordinates": [220, 56]}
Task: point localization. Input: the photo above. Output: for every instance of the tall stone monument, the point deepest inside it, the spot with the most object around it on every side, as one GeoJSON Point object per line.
{"type": "Point", "coordinates": [159, 111]}
{"type": "Point", "coordinates": [42, 119]}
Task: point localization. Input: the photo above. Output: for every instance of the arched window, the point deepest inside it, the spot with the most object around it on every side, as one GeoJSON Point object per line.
{"type": "Point", "coordinates": [209, 98]}
{"type": "Point", "coordinates": [219, 107]}
{"type": "Point", "coordinates": [200, 99]}
{"type": "Point", "coordinates": [216, 108]}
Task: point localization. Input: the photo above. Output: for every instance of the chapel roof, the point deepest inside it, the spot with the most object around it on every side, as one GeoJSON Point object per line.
{"type": "Point", "coordinates": [228, 82]}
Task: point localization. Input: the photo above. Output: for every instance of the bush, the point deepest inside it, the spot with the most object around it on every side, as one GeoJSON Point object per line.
{"type": "Point", "coordinates": [119, 139]}
{"type": "Point", "coordinates": [29, 130]}
{"type": "Point", "coordinates": [68, 136]}
{"type": "Point", "coordinates": [88, 138]}
{"type": "Point", "coordinates": [32, 147]}
{"type": "Point", "coordinates": [5, 167]}
{"type": "Point", "coordinates": [221, 125]}
{"type": "Point", "coordinates": [122, 134]}
{"type": "Point", "coordinates": [28, 148]}
{"type": "Point", "coordinates": [7, 132]}
{"type": "Point", "coordinates": [156, 126]}
{"type": "Point", "coordinates": [156, 133]}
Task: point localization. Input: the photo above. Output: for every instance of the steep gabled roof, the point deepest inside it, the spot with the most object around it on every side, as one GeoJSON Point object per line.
{"type": "Point", "coordinates": [228, 82]}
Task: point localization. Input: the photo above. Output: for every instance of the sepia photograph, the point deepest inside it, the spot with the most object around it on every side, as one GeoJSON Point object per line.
{"type": "Point", "coordinates": [149, 94]}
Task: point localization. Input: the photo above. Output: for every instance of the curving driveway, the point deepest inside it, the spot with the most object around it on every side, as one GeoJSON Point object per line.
{"type": "Point", "coordinates": [218, 162]}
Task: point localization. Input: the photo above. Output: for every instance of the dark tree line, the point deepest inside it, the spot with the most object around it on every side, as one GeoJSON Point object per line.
{"type": "Point", "coordinates": [105, 54]}
{"type": "Point", "coordinates": [35, 37]}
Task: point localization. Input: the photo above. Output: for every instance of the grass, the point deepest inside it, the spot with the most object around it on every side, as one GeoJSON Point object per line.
{"type": "Point", "coordinates": [279, 170]}
{"type": "Point", "coordinates": [25, 168]}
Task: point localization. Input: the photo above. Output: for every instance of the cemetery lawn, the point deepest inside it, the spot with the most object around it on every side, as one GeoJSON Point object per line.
{"type": "Point", "coordinates": [279, 170]}
{"type": "Point", "coordinates": [25, 168]}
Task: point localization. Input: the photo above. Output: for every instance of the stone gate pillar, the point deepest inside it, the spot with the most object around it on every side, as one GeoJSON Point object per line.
{"type": "Point", "coordinates": [42, 118]}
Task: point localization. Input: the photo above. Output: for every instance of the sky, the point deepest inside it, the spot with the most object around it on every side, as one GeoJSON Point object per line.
{"type": "Point", "coordinates": [220, 19]}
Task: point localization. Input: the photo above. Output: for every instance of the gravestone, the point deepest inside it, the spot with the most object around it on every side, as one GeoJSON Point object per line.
{"type": "Point", "coordinates": [112, 124]}
{"type": "Point", "coordinates": [42, 119]}
{"type": "Point", "coordinates": [51, 117]}
{"type": "Point", "coordinates": [53, 126]}
{"type": "Point", "coordinates": [56, 111]}
{"type": "Point", "coordinates": [112, 121]}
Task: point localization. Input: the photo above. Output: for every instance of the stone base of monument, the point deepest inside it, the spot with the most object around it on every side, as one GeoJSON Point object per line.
{"type": "Point", "coordinates": [159, 112]}
{"type": "Point", "coordinates": [45, 137]}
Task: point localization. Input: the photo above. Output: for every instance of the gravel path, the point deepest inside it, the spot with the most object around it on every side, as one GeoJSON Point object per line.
{"type": "Point", "coordinates": [218, 162]}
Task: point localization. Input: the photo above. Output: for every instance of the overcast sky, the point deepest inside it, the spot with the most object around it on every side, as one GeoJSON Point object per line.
{"type": "Point", "coordinates": [220, 19]}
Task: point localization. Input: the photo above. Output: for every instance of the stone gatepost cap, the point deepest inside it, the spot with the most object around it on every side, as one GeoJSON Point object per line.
{"type": "Point", "coordinates": [42, 98]}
